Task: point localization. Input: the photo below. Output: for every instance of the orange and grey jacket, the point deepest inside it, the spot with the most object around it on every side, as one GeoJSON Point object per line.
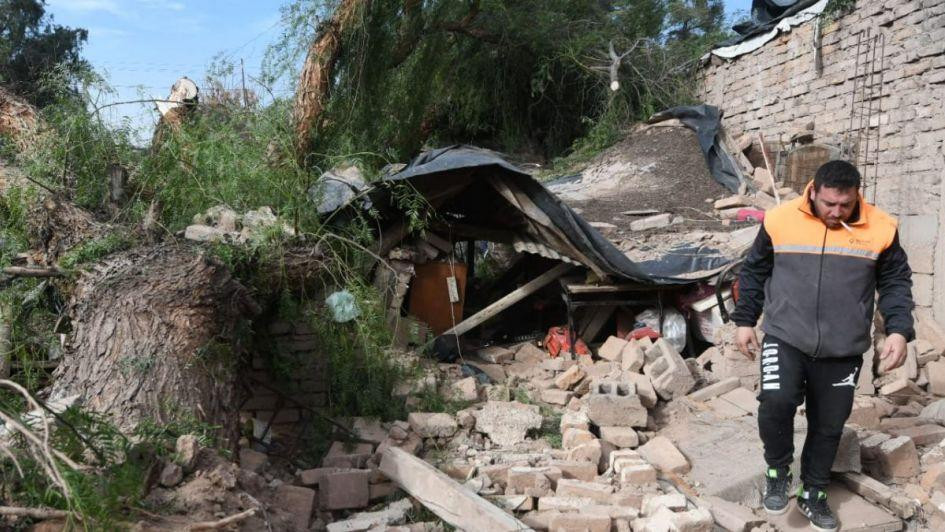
{"type": "Point", "coordinates": [817, 285]}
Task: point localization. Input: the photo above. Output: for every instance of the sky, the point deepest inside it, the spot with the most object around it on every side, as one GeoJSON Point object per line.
{"type": "Point", "coordinates": [144, 46]}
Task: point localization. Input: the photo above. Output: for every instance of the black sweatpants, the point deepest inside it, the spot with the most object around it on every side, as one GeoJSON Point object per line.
{"type": "Point", "coordinates": [788, 376]}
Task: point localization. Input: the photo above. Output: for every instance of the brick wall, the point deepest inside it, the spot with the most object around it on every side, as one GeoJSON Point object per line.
{"type": "Point", "coordinates": [776, 89]}
{"type": "Point", "coordinates": [289, 378]}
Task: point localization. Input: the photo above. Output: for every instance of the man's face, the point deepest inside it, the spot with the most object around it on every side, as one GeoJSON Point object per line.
{"type": "Point", "coordinates": [834, 205]}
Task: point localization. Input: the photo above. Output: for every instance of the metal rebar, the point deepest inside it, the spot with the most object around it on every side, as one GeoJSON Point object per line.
{"type": "Point", "coordinates": [859, 129]}
{"type": "Point", "coordinates": [856, 77]}
{"type": "Point", "coordinates": [869, 106]}
{"type": "Point", "coordinates": [879, 122]}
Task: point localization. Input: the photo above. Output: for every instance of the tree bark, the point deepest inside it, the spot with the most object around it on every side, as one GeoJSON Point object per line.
{"type": "Point", "coordinates": [155, 336]}
{"type": "Point", "coordinates": [317, 71]}
{"type": "Point", "coordinates": [55, 226]}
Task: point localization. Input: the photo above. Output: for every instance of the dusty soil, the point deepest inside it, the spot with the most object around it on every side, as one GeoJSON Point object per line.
{"type": "Point", "coordinates": [658, 168]}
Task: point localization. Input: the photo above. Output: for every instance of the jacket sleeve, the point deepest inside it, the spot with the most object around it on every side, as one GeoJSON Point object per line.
{"type": "Point", "coordinates": [751, 282]}
{"type": "Point", "coordinates": [894, 283]}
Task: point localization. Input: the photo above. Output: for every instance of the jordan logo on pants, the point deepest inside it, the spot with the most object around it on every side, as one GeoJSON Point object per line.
{"type": "Point", "coordinates": [849, 381]}
{"type": "Point", "coordinates": [769, 367]}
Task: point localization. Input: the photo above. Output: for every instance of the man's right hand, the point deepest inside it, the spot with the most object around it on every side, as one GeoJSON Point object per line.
{"type": "Point", "coordinates": [747, 341]}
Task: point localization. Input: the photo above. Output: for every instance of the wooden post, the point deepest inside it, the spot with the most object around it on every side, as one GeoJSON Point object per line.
{"type": "Point", "coordinates": [510, 299]}
{"type": "Point", "coordinates": [768, 166]}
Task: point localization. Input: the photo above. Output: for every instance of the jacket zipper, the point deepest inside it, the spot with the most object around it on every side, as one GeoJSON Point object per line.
{"type": "Point", "coordinates": [820, 277]}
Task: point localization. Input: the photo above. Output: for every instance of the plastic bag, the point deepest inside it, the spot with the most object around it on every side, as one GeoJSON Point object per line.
{"type": "Point", "coordinates": [674, 325]}
{"type": "Point", "coordinates": [343, 306]}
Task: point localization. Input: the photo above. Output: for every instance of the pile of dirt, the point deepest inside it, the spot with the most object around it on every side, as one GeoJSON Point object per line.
{"type": "Point", "coordinates": [659, 169]}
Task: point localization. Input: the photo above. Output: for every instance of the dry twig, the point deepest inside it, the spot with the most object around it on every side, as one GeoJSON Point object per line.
{"type": "Point", "coordinates": [214, 525]}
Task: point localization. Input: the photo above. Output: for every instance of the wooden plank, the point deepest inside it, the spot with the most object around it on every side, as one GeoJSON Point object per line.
{"type": "Point", "coordinates": [579, 289]}
{"type": "Point", "coordinates": [731, 147]}
{"type": "Point", "coordinates": [509, 299]}
{"type": "Point", "coordinates": [449, 500]}
{"type": "Point", "coordinates": [879, 493]}
{"type": "Point", "coordinates": [769, 167]}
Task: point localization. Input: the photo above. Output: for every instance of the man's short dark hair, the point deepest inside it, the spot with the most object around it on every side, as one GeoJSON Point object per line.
{"type": "Point", "coordinates": [837, 174]}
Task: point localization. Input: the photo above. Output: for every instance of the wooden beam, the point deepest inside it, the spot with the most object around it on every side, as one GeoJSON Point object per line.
{"type": "Point", "coordinates": [510, 299]}
{"type": "Point", "coordinates": [769, 167]}
{"type": "Point", "coordinates": [449, 500]}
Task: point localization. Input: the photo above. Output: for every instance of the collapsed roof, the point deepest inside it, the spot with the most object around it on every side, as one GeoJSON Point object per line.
{"type": "Point", "coordinates": [480, 196]}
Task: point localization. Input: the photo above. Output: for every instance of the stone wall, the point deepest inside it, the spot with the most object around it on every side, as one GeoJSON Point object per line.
{"type": "Point", "coordinates": [776, 89]}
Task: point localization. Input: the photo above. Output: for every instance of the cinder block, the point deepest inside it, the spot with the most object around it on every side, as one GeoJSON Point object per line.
{"type": "Point", "coordinates": [615, 404]}
{"type": "Point", "coordinates": [668, 372]}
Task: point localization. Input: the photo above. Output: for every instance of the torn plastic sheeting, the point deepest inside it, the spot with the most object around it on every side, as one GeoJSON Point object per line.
{"type": "Point", "coordinates": [469, 172]}
{"type": "Point", "coordinates": [768, 19]}
{"type": "Point", "coordinates": [706, 121]}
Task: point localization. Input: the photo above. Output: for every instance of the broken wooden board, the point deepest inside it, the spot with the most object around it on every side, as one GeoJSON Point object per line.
{"type": "Point", "coordinates": [509, 299]}
{"type": "Point", "coordinates": [855, 514]}
{"type": "Point", "coordinates": [449, 500]}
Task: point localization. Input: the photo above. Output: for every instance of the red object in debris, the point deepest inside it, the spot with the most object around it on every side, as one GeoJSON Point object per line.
{"type": "Point", "coordinates": [559, 339]}
{"type": "Point", "coordinates": [642, 332]}
{"type": "Point", "coordinates": [750, 215]}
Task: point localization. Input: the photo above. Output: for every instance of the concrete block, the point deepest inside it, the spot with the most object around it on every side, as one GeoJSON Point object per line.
{"type": "Point", "coordinates": [898, 458]}
{"type": "Point", "coordinates": [343, 490]}
{"type": "Point", "coordinates": [522, 478]}
{"type": "Point", "coordinates": [934, 478]}
{"type": "Point", "coordinates": [394, 514]}
{"type": "Point", "coordinates": [251, 460]}
{"type": "Point", "coordinates": [465, 389]}
{"type": "Point", "coordinates": [922, 434]}
{"type": "Point", "coordinates": [637, 475]}
{"type": "Point", "coordinates": [731, 516]}
{"type": "Point", "coordinates": [615, 404]}
{"type": "Point", "coordinates": [848, 453]}
{"type": "Point", "coordinates": [621, 437]}
{"type": "Point", "coordinates": [578, 488]}
{"type": "Point", "coordinates": [936, 375]}
{"type": "Point", "coordinates": [506, 423]}
{"type": "Point", "coordinates": [556, 397]}
{"type": "Point", "coordinates": [563, 504]}
{"type": "Point", "coordinates": [645, 390]}
{"type": "Point", "coordinates": [529, 352]}
{"type": "Point", "coordinates": [668, 372]}
{"type": "Point", "coordinates": [612, 349]}
{"type": "Point", "coordinates": [570, 378]}
{"type": "Point", "coordinates": [299, 502]}
{"type": "Point", "coordinates": [571, 438]}
{"type": "Point", "coordinates": [633, 357]}
{"type": "Point", "coordinates": [579, 523]}
{"type": "Point", "coordinates": [432, 424]}
{"type": "Point", "coordinates": [574, 469]}
{"type": "Point", "coordinates": [661, 453]}
{"type": "Point", "coordinates": [742, 398]}
{"type": "Point", "coordinates": [574, 419]}
{"type": "Point", "coordinates": [587, 452]}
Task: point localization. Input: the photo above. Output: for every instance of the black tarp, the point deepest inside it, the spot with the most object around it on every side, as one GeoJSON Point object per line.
{"type": "Point", "coordinates": [765, 15]}
{"type": "Point", "coordinates": [435, 174]}
{"type": "Point", "coordinates": [706, 120]}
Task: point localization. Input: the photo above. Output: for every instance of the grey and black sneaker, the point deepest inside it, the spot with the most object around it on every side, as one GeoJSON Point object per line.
{"type": "Point", "coordinates": [778, 482]}
{"type": "Point", "coordinates": [813, 504]}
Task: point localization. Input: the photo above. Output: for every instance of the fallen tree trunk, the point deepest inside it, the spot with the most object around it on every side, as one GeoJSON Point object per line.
{"type": "Point", "coordinates": [155, 336]}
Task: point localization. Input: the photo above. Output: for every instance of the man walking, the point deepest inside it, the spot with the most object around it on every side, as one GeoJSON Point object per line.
{"type": "Point", "coordinates": [815, 267]}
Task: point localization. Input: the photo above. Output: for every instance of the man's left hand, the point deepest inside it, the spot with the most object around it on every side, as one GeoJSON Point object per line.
{"type": "Point", "coordinates": [894, 352]}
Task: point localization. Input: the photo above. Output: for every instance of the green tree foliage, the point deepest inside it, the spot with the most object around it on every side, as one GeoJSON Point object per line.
{"type": "Point", "coordinates": [513, 75]}
{"type": "Point", "coordinates": [32, 48]}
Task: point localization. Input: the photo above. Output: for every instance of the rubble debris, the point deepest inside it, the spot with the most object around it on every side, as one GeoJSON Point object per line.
{"type": "Point", "coordinates": [668, 371]}
{"type": "Point", "coordinates": [443, 496]}
{"type": "Point", "coordinates": [507, 422]}
{"type": "Point", "coordinates": [615, 404]}
{"type": "Point", "coordinates": [345, 489]}
{"type": "Point", "coordinates": [661, 452]}
{"type": "Point", "coordinates": [394, 514]}
{"type": "Point", "coordinates": [432, 425]}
